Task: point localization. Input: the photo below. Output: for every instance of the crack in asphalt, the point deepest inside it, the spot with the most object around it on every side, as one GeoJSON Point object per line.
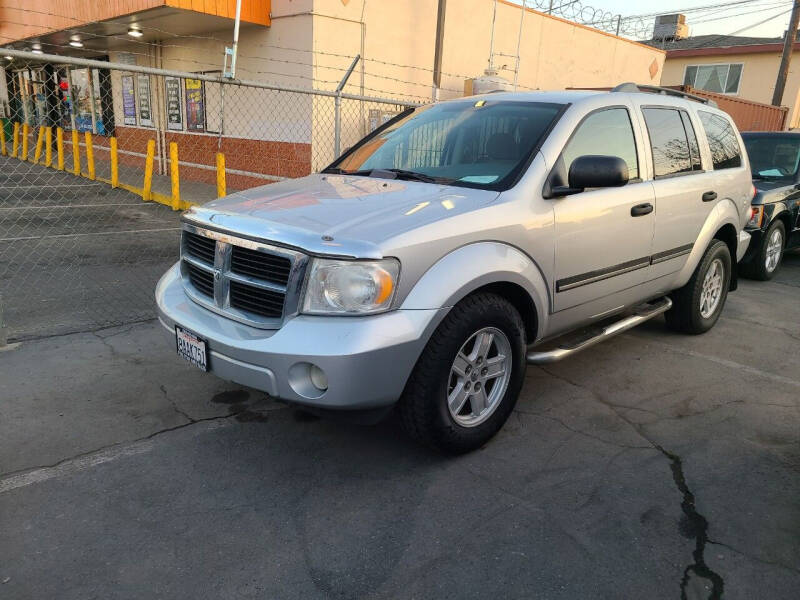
{"type": "Point", "coordinates": [696, 525]}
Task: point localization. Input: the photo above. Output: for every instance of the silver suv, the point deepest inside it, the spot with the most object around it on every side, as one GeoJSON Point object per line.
{"type": "Point", "coordinates": [427, 265]}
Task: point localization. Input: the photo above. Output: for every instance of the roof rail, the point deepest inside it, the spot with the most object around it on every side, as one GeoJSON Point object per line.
{"type": "Point", "coordinates": [633, 87]}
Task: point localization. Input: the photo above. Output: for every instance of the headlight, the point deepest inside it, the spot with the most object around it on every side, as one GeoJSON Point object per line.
{"type": "Point", "coordinates": [350, 287]}
{"type": "Point", "coordinates": [756, 215]}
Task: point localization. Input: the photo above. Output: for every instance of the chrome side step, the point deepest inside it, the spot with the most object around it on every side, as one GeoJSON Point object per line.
{"type": "Point", "coordinates": [642, 313]}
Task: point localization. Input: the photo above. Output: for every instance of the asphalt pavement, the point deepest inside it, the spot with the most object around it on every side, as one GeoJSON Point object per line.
{"type": "Point", "coordinates": [654, 465]}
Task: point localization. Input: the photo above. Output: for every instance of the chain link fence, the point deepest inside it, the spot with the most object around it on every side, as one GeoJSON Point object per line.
{"type": "Point", "coordinates": [98, 158]}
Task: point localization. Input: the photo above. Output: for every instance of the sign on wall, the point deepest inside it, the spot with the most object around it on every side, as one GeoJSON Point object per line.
{"type": "Point", "coordinates": [145, 107]}
{"type": "Point", "coordinates": [128, 101]}
{"type": "Point", "coordinates": [195, 105]}
{"type": "Point", "coordinates": [172, 86]}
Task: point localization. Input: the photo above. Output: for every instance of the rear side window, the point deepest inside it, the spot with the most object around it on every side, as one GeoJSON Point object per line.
{"type": "Point", "coordinates": [672, 140]}
{"type": "Point", "coordinates": [607, 133]}
{"type": "Point", "coordinates": [725, 151]}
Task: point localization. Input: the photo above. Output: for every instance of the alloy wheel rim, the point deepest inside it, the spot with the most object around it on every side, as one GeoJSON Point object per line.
{"type": "Point", "coordinates": [712, 288]}
{"type": "Point", "coordinates": [479, 377]}
{"type": "Point", "coordinates": [774, 247]}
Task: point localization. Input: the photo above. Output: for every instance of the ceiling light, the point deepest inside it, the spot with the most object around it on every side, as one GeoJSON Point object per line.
{"type": "Point", "coordinates": [76, 43]}
{"type": "Point", "coordinates": [135, 32]}
{"type": "Point", "coordinates": [37, 51]}
{"type": "Point", "coordinates": [37, 46]}
{"type": "Point", "coordinates": [9, 58]}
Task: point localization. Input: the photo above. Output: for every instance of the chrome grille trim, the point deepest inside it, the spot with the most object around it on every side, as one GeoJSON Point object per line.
{"type": "Point", "coordinates": [222, 276]}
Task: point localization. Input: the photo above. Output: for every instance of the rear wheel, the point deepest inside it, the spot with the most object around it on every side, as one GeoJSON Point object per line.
{"type": "Point", "coordinates": [766, 261]}
{"type": "Point", "coordinates": [467, 380]}
{"type": "Point", "coordinates": [697, 305]}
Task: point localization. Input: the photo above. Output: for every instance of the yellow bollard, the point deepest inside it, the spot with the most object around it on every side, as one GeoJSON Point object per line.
{"type": "Point", "coordinates": [3, 139]}
{"type": "Point", "coordinates": [76, 153]}
{"type": "Point", "coordinates": [114, 163]}
{"type": "Point", "coordinates": [148, 171]}
{"type": "Point", "coordinates": [25, 133]}
{"type": "Point", "coordinates": [89, 154]}
{"type": "Point", "coordinates": [37, 154]}
{"type": "Point", "coordinates": [48, 146]}
{"type": "Point", "coordinates": [15, 147]}
{"type": "Point", "coordinates": [220, 174]}
{"type": "Point", "coordinates": [60, 147]}
{"type": "Point", "coordinates": [173, 171]}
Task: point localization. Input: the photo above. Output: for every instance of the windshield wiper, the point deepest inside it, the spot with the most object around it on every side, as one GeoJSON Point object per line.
{"type": "Point", "coordinates": [414, 176]}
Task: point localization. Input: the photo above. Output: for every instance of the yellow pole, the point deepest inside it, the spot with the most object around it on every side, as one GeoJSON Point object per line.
{"type": "Point", "coordinates": [76, 153]}
{"type": "Point", "coordinates": [60, 147]}
{"type": "Point", "coordinates": [89, 154]}
{"type": "Point", "coordinates": [3, 139]}
{"type": "Point", "coordinates": [148, 170]}
{"type": "Point", "coordinates": [220, 174]}
{"type": "Point", "coordinates": [173, 171]}
{"type": "Point", "coordinates": [15, 147]}
{"type": "Point", "coordinates": [37, 154]}
{"type": "Point", "coordinates": [114, 163]}
{"type": "Point", "coordinates": [48, 147]}
{"type": "Point", "coordinates": [25, 133]}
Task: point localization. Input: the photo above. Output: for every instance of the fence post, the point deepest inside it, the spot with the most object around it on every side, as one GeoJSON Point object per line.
{"type": "Point", "coordinates": [114, 163]}
{"type": "Point", "coordinates": [220, 174]}
{"type": "Point", "coordinates": [89, 154]}
{"type": "Point", "coordinates": [25, 133]}
{"type": "Point", "coordinates": [48, 146]}
{"type": "Point", "coordinates": [37, 154]}
{"type": "Point", "coordinates": [15, 147]}
{"type": "Point", "coordinates": [3, 139]}
{"type": "Point", "coordinates": [148, 171]}
{"type": "Point", "coordinates": [337, 108]}
{"type": "Point", "coordinates": [173, 172]}
{"type": "Point", "coordinates": [60, 147]}
{"type": "Point", "coordinates": [76, 153]}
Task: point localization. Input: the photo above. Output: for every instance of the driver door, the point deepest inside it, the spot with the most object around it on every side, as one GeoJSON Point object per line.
{"type": "Point", "coordinates": [603, 236]}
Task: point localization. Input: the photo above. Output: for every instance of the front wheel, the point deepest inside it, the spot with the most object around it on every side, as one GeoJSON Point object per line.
{"type": "Point", "coordinates": [766, 261]}
{"type": "Point", "coordinates": [697, 305]}
{"type": "Point", "coordinates": [467, 380]}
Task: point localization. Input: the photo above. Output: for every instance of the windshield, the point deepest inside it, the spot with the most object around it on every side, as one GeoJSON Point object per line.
{"type": "Point", "coordinates": [477, 143]}
{"type": "Point", "coordinates": [773, 156]}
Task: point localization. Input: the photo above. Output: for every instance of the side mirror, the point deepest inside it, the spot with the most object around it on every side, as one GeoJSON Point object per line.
{"type": "Point", "coordinates": [594, 171]}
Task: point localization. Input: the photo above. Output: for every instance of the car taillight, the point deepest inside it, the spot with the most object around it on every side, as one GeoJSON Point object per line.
{"type": "Point", "coordinates": [754, 192]}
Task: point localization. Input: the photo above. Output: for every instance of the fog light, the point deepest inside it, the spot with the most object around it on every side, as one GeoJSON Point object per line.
{"type": "Point", "coordinates": [318, 378]}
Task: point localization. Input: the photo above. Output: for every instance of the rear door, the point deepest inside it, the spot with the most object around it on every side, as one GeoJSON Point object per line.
{"type": "Point", "coordinates": [602, 244]}
{"type": "Point", "coordinates": [685, 186]}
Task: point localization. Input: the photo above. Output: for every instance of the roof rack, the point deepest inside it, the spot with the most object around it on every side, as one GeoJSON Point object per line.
{"type": "Point", "coordinates": [633, 87]}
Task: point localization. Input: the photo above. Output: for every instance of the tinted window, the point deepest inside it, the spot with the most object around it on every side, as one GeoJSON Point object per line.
{"type": "Point", "coordinates": [605, 133]}
{"type": "Point", "coordinates": [694, 149]}
{"type": "Point", "coordinates": [773, 156]}
{"type": "Point", "coordinates": [668, 140]}
{"type": "Point", "coordinates": [725, 151]}
{"type": "Point", "coordinates": [481, 144]}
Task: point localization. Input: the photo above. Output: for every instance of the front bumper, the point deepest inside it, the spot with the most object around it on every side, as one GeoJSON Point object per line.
{"type": "Point", "coordinates": [756, 236]}
{"type": "Point", "coordinates": [367, 359]}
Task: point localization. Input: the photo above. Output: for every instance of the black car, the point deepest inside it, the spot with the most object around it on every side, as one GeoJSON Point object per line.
{"type": "Point", "coordinates": [775, 214]}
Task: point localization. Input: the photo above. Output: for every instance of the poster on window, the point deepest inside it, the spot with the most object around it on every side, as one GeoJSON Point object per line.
{"type": "Point", "coordinates": [172, 88]}
{"type": "Point", "coordinates": [145, 112]}
{"type": "Point", "coordinates": [195, 109]}
{"type": "Point", "coordinates": [128, 101]}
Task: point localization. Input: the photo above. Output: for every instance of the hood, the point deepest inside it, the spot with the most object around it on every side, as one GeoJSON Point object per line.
{"type": "Point", "coordinates": [342, 215]}
{"type": "Point", "coordinates": [772, 190]}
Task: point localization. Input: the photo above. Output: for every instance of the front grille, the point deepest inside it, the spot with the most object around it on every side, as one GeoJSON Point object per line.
{"type": "Point", "coordinates": [247, 281]}
{"type": "Point", "coordinates": [199, 246]}
{"type": "Point", "coordinates": [266, 303]}
{"type": "Point", "coordinates": [260, 265]}
{"type": "Point", "coordinates": [201, 279]}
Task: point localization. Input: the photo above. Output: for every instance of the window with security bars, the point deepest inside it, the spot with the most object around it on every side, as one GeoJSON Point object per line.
{"type": "Point", "coordinates": [723, 78]}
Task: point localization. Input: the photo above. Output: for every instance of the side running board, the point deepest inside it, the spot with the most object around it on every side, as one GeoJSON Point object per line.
{"type": "Point", "coordinates": [642, 313]}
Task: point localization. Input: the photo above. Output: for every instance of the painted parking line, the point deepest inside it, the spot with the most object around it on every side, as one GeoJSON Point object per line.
{"type": "Point", "coordinates": [87, 461]}
{"type": "Point", "coordinates": [73, 235]}
{"type": "Point", "coordinates": [51, 206]}
{"type": "Point", "coordinates": [14, 188]}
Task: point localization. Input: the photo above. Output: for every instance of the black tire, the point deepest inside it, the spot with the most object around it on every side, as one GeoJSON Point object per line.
{"type": "Point", "coordinates": [685, 315]}
{"type": "Point", "coordinates": [756, 267]}
{"type": "Point", "coordinates": [423, 406]}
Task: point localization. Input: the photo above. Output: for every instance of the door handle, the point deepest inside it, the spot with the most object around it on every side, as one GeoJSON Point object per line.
{"type": "Point", "coordinates": [709, 196]}
{"type": "Point", "coordinates": [641, 209]}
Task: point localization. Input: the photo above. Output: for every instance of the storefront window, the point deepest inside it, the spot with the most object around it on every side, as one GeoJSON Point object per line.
{"type": "Point", "coordinates": [86, 98]}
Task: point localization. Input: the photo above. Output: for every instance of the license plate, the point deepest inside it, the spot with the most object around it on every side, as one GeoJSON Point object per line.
{"type": "Point", "coordinates": [192, 348]}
